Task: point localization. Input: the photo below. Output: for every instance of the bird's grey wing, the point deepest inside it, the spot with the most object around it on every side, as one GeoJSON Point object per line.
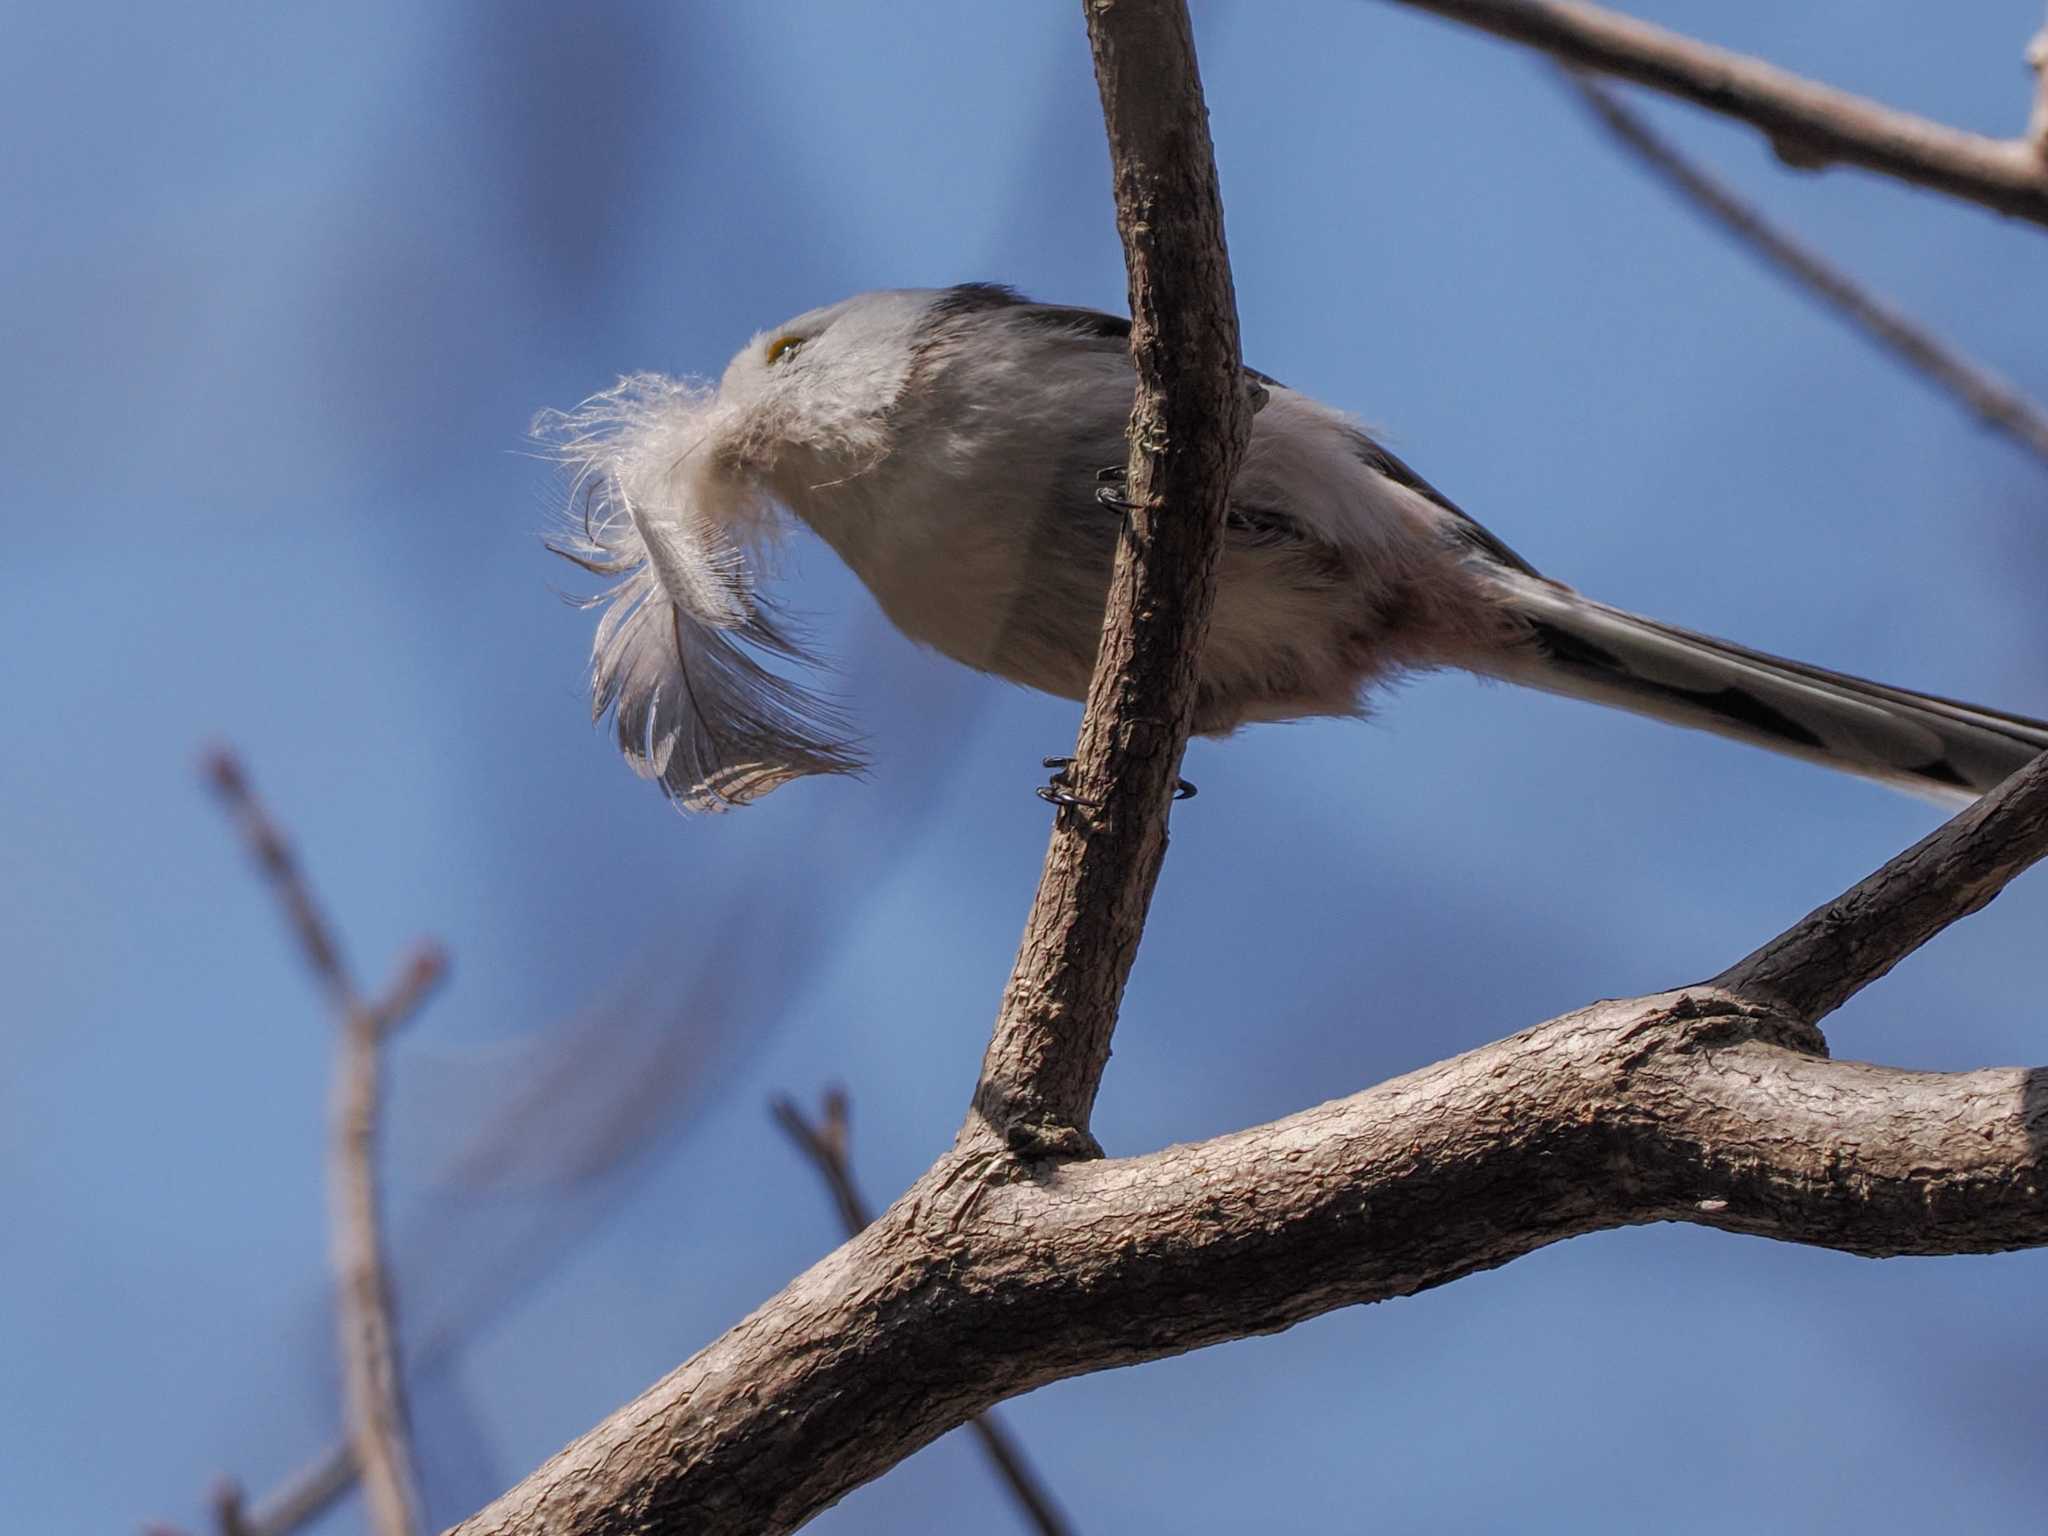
{"type": "Point", "coordinates": [1094, 326]}
{"type": "Point", "coordinates": [1113, 332]}
{"type": "Point", "coordinates": [1383, 460]}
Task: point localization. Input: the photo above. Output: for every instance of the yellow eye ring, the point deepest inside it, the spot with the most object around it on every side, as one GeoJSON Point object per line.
{"type": "Point", "coordinates": [782, 346]}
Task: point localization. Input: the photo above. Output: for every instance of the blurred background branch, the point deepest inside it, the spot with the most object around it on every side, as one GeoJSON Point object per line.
{"type": "Point", "coordinates": [2037, 120]}
{"type": "Point", "coordinates": [1974, 386]}
{"type": "Point", "coordinates": [373, 1385]}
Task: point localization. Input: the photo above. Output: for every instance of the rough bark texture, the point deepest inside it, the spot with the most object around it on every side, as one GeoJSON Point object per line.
{"type": "Point", "coordinates": [825, 1143]}
{"type": "Point", "coordinates": [1188, 430]}
{"type": "Point", "coordinates": [987, 1279]}
{"type": "Point", "coordinates": [1810, 124]}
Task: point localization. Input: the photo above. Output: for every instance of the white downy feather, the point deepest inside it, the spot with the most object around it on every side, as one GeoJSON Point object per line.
{"type": "Point", "coordinates": [677, 655]}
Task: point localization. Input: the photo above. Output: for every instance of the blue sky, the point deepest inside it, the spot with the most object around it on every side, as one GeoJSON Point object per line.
{"type": "Point", "coordinates": [282, 291]}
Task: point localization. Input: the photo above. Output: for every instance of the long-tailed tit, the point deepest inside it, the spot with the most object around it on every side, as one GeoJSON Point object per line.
{"type": "Point", "coordinates": [950, 446]}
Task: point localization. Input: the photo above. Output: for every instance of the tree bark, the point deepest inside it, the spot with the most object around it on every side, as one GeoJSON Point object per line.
{"type": "Point", "coordinates": [1189, 426]}
{"type": "Point", "coordinates": [979, 1284]}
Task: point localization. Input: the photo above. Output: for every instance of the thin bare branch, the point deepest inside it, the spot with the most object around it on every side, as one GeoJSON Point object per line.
{"type": "Point", "coordinates": [825, 1143]}
{"type": "Point", "coordinates": [372, 1386]}
{"type": "Point", "coordinates": [373, 1393]}
{"type": "Point", "coordinates": [1189, 426]}
{"type": "Point", "coordinates": [418, 975]}
{"type": "Point", "coordinates": [1834, 952]}
{"type": "Point", "coordinates": [1998, 403]}
{"type": "Point", "coordinates": [280, 866]}
{"type": "Point", "coordinates": [308, 1494]}
{"type": "Point", "coordinates": [229, 1516]}
{"type": "Point", "coordinates": [1809, 124]}
{"type": "Point", "coordinates": [2037, 121]}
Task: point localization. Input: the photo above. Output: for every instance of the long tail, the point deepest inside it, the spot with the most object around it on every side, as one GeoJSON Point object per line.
{"type": "Point", "coordinates": [1933, 747]}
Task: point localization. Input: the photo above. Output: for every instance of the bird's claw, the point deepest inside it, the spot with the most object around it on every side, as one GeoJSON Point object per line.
{"type": "Point", "coordinates": [1109, 489]}
{"type": "Point", "coordinates": [1058, 789]}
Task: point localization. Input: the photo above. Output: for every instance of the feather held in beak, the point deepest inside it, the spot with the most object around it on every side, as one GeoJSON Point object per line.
{"type": "Point", "coordinates": [678, 659]}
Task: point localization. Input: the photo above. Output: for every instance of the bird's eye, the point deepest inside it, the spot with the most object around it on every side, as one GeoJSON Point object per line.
{"type": "Point", "coordinates": [782, 346]}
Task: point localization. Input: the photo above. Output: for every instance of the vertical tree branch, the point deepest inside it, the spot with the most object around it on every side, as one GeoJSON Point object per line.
{"type": "Point", "coordinates": [373, 1394]}
{"type": "Point", "coordinates": [1981, 391]}
{"type": "Point", "coordinates": [372, 1388]}
{"type": "Point", "coordinates": [1189, 425]}
{"type": "Point", "coordinates": [825, 1143]}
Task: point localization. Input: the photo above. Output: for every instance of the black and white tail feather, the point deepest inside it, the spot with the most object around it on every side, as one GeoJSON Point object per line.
{"type": "Point", "coordinates": [677, 655]}
{"type": "Point", "coordinates": [1936, 748]}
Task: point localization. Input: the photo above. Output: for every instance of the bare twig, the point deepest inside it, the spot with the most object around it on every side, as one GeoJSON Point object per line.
{"type": "Point", "coordinates": [374, 1399]}
{"type": "Point", "coordinates": [280, 867]}
{"type": "Point", "coordinates": [308, 1494]}
{"type": "Point", "coordinates": [372, 1386]}
{"type": "Point", "coordinates": [1983, 392]}
{"type": "Point", "coordinates": [229, 1516]}
{"type": "Point", "coordinates": [1834, 952]}
{"type": "Point", "coordinates": [1188, 429]}
{"type": "Point", "coordinates": [825, 1143]}
{"type": "Point", "coordinates": [2037, 121]}
{"type": "Point", "coordinates": [1810, 125]}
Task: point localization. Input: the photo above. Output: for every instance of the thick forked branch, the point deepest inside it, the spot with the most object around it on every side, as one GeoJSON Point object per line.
{"type": "Point", "coordinates": [1990, 397]}
{"type": "Point", "coordinates": [1188, 430]}
{"type": "Point", "coordinates": [1687, 1106]}
{"type": "Point", "coordinates": [1809, 124]}
{"type": "Point", "coordinates": [1709, 1105]}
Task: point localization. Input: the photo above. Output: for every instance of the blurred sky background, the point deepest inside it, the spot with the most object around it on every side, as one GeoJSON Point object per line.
{"type": "Point", "coordinates": [280, 291]}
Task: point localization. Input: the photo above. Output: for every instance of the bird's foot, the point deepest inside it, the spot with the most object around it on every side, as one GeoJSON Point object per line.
{"type": "Point", "coordinates": [1109, 491]}
{"type": "Point", "coordinates": [1058, 789]}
